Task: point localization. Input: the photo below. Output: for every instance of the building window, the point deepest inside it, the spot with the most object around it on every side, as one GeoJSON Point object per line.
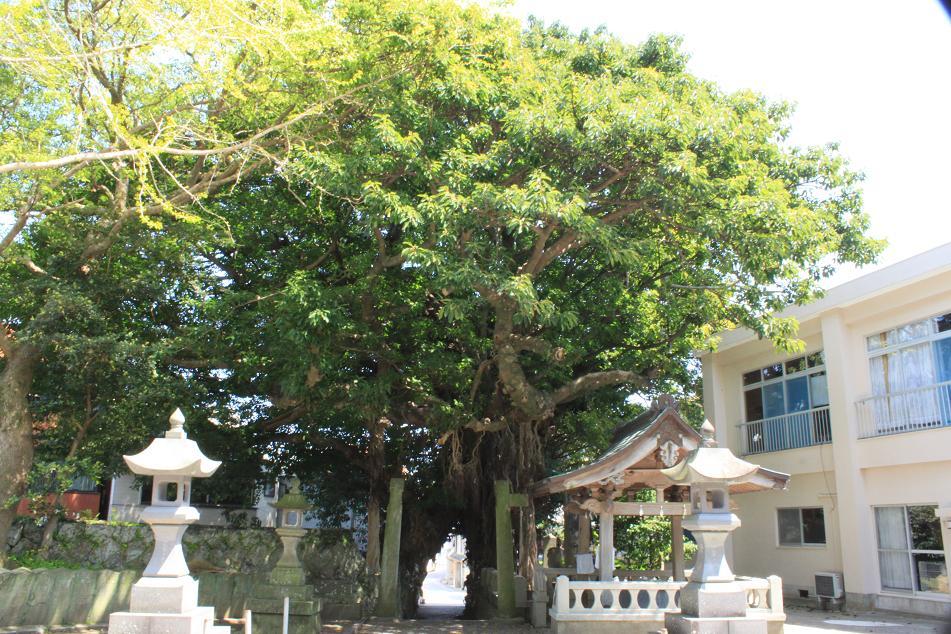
{"type": "Point", "coordinates": [910, 371]}
{"type": "Point", "coordinates": [792, 399]}
{"type": "Point", "coordinates": [910, 549]}
{"type": "Point", "coordinates": [801, 527]}
{"type": "Point", "coordinates": [83, 484]}
{"type": "Point", "coordinates": [270, 488]}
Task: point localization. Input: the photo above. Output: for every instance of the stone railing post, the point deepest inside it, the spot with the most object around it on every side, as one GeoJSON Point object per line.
{"type": "Point", "coordinates": [562, 599]}
{"type": "Point", "coordinates": [539, 613]}
{"type": "Point", "coordinates": [775, 598]}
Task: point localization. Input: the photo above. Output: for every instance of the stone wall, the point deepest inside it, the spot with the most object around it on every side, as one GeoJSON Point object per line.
{"type": "Point", "coordinates": [121, 547]}
{"type": "Point", "coordinates": [226, 561]}
{"type": "Point", "coordinates": [68, 597]}
{"type": "Point", "coordinates": [58, 597]}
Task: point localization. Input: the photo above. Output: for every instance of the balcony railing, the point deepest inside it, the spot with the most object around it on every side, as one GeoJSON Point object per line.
{"type": "Point", "coordinates": [790, 431]}
{"type": "Point", "coordinates": [925, 407]}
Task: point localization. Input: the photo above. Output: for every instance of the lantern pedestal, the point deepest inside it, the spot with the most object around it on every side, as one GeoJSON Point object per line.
{"type": "Point", "coordinates": [288, 570]}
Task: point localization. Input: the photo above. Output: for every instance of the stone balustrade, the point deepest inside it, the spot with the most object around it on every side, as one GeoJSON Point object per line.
{"type": "Point", "coordinates": [602, 606]}
{"type": "Point", "coordinates": [764, 596]}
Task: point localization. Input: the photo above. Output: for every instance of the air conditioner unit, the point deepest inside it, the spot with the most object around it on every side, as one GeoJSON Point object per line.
{"type": "Point", "coordinates": [829, 585]}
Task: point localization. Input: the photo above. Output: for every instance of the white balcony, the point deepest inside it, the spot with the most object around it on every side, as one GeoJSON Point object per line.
{"type": "Point", "coordinates": [927, 407]}
{"type": "Point", "coordinates": [790, 431]}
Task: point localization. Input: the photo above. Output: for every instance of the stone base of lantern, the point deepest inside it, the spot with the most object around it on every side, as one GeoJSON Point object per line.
{"type": "Point", "coordinates": [175, 595]}
{"type": "Point", "coordinates": [197, 621]}
{"type": "Point", "coordinates": [714, 608]}
{"type": "Point", "coordinates": [168, 605]}
{"type": "Point", "coordinates": [679, 624]}
{"type": "Point", "coordinates": [713, 599]}
{"type": "Point", "coordinates": [267, 605]}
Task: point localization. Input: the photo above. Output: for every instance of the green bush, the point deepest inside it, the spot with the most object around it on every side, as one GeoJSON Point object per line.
{"type": "Point", "coordinates": [33, 560]}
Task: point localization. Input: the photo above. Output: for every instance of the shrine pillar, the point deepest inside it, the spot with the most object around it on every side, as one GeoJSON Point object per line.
{"type": "Point", "coordinates": [606, 546]}
{"type": "Point", "coordinates": [677, 546]}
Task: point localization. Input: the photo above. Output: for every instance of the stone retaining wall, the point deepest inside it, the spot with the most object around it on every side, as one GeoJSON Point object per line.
{"type": "Point", "coordinates": [119, 547]}
{"type": "Point", "coordinates": [68, 597]}
{"type": "Point", "coordinates": [62, 597]}
{"type": "Point", "coordinates": [226, 562]}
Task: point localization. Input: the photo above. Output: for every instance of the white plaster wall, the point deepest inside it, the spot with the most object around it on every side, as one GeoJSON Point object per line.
{"type": "Point", "coordinates": [124, 505]}
{"type": "Point", "coordinates": [756, 549]}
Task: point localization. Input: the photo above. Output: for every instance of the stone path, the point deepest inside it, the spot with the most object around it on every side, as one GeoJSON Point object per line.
{"type": "Point", "coordinates": [806, 620]}
{"type": "Point", "coordinates": [389, 626]}
{"type": "Point", "coordinates": [799, 620]}
{"type": "Point", "coordinates": [440, 601]}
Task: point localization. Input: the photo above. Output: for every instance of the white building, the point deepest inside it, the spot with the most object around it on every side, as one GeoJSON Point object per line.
{"type": "Point", "coordinates": [861, 419]}
{"type": "Point", "coordinates": [127, 501]}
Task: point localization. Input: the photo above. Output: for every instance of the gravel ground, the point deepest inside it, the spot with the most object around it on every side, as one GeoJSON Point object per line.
{"type": "Point", "coordinates": [799, 620]}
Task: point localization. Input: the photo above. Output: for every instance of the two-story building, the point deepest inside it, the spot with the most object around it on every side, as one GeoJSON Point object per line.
{"type": "Point", "coordinates": [861, 419]}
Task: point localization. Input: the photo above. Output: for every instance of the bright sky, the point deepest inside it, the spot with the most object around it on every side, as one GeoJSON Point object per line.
{"type": "Point", "coordinates": [873, 76]}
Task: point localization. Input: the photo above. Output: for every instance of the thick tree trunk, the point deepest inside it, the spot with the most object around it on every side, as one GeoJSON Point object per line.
{"type": "Point", "coordinates": [379, 483]}
{"type": "Point", "coordinates": [373, 533]}
{"type": "Point", "coordinates": [528, 544]}
{"type": "Point", "coordinates": [16, 432]}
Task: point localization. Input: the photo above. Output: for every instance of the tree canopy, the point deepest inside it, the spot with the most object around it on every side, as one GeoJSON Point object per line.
{"type": "Point", "coordinates": [372, 238]}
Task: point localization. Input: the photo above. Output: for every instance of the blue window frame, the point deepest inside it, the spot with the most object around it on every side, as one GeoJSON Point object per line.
{"type": "Point", "coordinates": [789, 400]}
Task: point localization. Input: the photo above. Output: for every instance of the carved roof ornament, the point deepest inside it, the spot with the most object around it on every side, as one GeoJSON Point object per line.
{"type": "Point", "coordinates": [663, 401]}
{"type": "Point", "coordinates": [669, 453]}
{"type": "Point", "coordinates": [708, 432]}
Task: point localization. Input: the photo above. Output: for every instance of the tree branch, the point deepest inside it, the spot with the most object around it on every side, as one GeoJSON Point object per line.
{"type": "Point", "coordinates": [571, 239]}
{"type": "Point", "coordinates": [596, 380]}
{"type": "Point", "coordinates": [525, 396]}
{"type": "Point", "coordinates": [200, 364]}
{"type": "Point", "coordinates": [34, 268]}
{"type": "Point", "coordinates": [226, 150]}
{"type": "Point", "coordinates": [22, 216]}
{"type": "Point", "coordinates": [530, 266]}
{"type": "Point", "coordinates": [286, 417]}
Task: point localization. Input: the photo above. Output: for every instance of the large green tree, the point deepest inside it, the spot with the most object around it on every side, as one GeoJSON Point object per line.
{"type": "Point", "coordinates": [481, 237]}
{"type": "Point", "coordinates": [491, 252]}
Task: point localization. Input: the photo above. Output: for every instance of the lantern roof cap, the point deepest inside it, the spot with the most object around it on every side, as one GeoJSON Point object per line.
{"type": "Point", "coordinates": [172, 454]}
{"type": "Point", "coordinates": [293, 499]}
{"type": "Point", "coordinates": [709, 464]}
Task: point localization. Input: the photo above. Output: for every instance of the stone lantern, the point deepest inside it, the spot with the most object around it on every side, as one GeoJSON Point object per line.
{"type": "Point", "coordinates": [166, 597]}
{"type": "Point", "coordinates": [287, 577]}
{"type": "Point", "coordinates": [711, 600]}
{"type": "Point", "coordinates": [292, 508]}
